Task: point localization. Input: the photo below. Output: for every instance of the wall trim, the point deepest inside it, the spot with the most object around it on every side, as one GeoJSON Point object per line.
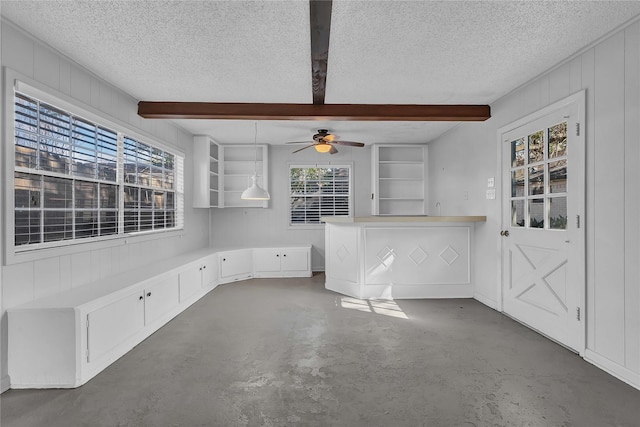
{"type": "Point", "coordinates": [486, 301]}
{"type": "Point", "coordinates": [5, 383]}
{"type": "Point", "coordinates": [620, 372]}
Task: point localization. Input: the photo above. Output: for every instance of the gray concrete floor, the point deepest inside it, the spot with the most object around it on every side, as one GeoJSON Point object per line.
{"type": "Point", "coordinates": [274, 352]}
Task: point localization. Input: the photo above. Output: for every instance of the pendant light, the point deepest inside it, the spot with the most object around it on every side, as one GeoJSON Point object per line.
{"type": "Point", "coordinates": [254, 192]}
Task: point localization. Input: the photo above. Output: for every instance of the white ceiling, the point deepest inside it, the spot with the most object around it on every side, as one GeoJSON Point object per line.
{"type": "Point", "coordinates": [381, 52]}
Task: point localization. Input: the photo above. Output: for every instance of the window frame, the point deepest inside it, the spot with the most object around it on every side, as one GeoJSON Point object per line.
{"type": "Point", "coordinates": [16, 82]}
{"type": "Point", "coordinates": [350, 195]}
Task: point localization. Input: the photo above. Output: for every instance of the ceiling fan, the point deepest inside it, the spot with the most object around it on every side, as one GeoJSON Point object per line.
{"type": "Point", "coordinates": [324, 142]}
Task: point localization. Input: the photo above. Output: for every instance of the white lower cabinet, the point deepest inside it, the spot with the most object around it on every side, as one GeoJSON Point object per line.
{"type": "Point", "coordinates": [109, 326]}
{"type": "Point", "coordinates": [282, 262]}
{"type": "Point", "coordinates": [160, 299]}
{"type": "Point", "coordinates": [236, 265]}
{"type": "Point", "coordinates": [64, 340]}
{"type": "Point", "coordinates": [196, 276]}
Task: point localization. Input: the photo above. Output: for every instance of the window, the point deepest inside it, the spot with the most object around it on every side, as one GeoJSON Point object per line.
{"type": "Point", "coordinates": [76, 179]}
{"type": "Point", "coordinates": [539, 179]}
{"type": "Point", "coordinates": [319, 191]}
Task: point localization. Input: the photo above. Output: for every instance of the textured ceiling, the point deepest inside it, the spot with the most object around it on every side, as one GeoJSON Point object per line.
{"type": "Point", "coordinates": [413, 52]}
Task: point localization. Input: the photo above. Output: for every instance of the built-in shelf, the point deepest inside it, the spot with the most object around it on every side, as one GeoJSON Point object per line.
{"type": "Point", "coordinates": [206, 163]}
{"type": "Point", "coordinates": [223, 172]}
{"type": "Point", "coordinates": [237, 165]}
{"type": "Point", "coordinates": [399, 179]}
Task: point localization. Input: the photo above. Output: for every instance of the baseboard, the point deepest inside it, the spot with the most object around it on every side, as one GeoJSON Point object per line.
{"type": "Point", "coordinates": [618, 371]}
{"type": "Point", "coordinates": [5, 384]}
{"type": "Point", "coordinates": [486, 301]}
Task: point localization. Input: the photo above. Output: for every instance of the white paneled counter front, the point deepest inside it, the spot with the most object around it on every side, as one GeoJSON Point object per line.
{"type": "Point", "coordinates": [400, 257]}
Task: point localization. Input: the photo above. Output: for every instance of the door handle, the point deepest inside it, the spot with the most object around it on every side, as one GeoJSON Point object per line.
{"type": "Point", "coordinates": [504, 233]}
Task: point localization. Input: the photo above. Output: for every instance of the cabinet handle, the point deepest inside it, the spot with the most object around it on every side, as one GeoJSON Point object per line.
{"type": "Point", "coordinates": [141, 297]}
{"type": "Point", "coordinates": [224, 259]}
{"type": "Point", "coordinates": [200, 268]}
{"type": "Point", "coordinates": [148, 294]}
{"type": "Point", "coordinates": [284, 255]}
{"type": "Point", "coordinates": [278, 255]}
{"type": "Point", "coordinates": [204, 267]}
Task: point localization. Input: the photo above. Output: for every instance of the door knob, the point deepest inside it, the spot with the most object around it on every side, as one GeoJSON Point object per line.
{"type": "Point", "coordinates": [504, 233]}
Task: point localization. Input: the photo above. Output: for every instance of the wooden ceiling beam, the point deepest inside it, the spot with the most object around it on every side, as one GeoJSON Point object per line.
{"type": "Point", "coordinates": [320, 28]}
{"type": "Point", "coordinates": [364, 112]}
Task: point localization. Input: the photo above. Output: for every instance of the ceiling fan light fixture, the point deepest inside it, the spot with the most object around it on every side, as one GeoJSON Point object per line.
{"type": "Point", "coordinates": [323, 147]}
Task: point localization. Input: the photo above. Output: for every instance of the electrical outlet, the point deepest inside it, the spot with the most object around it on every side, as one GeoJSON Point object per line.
{"type": "Point", "coordinates": [491, 182]}
{"type": "Point", "coordinates": [491, 194]}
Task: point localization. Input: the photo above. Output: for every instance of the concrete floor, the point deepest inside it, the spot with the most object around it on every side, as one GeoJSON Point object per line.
{"type": "Point", "coordinates": [276, 352]}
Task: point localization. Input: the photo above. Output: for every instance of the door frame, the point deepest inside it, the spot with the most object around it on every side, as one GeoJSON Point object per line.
{"type": "Point", "coordinates": [577, 251]}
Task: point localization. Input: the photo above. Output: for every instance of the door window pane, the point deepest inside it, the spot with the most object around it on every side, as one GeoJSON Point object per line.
{"type": "Point", "coordinates": [536, 180]}
{"type": "Point", "coordinates": [517, 183]}
{"type": "Point", "coordinates": [536, 213]}
{"type": "Point", "coordinates": [517, 213]}
{"type": "Point", "coordinates": [558, 213]}
{"type": "Point", "coordinates": [558, 176]}
{"type": "Point", "coordinates": [558, 140]}
{"type": "Point", "coordinates": [517, 152]}
{"type": "Point", "coordinates": [536, 147]}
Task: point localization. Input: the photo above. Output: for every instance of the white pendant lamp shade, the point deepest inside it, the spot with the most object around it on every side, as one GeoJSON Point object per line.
{"type": "Point", "coordinates": [255, 192]}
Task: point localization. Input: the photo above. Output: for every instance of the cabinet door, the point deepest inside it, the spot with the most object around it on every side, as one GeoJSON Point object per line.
{"type": "Point", "coordinates": [295, 260]}
{"type": "Point", "coordinates": [160, 299]}
{"type": "Point", "coordinates": [190, 281]}
{"type": "Point", "coordinates": [210, 271]}
{"type": "Point", "coordinates": [266, 259]}
{"type": "Point", "coordinates": [236, 263]}
{"type": "Point", "coordinates": [111, 325]}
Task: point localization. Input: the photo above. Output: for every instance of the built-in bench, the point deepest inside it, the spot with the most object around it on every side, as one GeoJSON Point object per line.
{"type": "Point", "coordinates": [64, 340]}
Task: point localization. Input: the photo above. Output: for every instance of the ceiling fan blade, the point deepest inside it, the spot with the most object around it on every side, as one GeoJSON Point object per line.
{"type": "Point", "coordinates": [299, 142]}
{"type": "Point", "coordinates": [303, 148]}
{"type": "Point", "coordinates": [351, 143]}
{"type": "Point", "coordinates": [333, 150]}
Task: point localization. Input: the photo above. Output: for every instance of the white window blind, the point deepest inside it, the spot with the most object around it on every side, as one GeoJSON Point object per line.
{"type": "Point", "coordinates": [319, 191]}
{"type": "Point", "coordinates": [77, 179]}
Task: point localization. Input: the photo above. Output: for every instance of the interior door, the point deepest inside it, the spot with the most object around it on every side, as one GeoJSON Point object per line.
{"type": "Point", "coordinates": [543, 258]}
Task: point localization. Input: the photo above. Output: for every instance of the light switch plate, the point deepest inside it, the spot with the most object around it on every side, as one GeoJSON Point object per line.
{"type": "Point", "coordinates": [491, 182]}
{"type": "Point", "coordinates": [491, 194]}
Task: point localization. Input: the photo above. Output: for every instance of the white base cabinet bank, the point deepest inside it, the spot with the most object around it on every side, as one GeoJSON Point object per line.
{"type": "Point", "coordinates": [64, 340]}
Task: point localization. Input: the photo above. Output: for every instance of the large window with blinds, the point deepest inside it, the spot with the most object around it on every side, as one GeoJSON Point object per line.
{"type": "Point", "coordinates": [317, 191]}
{"type": "Point", "coordinates": [75, 179]}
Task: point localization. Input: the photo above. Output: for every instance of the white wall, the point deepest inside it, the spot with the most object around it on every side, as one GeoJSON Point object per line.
{"type": "Point", "coordinates": [264, 227]}
{"type": "Point", "coordinates": [26, 281]}
{"type": "Point", "coordinates": [465, 157]}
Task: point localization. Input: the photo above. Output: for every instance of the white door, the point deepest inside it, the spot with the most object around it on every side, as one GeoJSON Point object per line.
{"type": "Point", "coordinates": [543, 257]}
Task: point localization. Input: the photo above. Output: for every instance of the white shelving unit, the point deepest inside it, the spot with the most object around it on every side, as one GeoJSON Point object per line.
{"type": "Point", "coordinates": [206, 169]}
{"type": "Point", "coordinates": [236, 168]}
{"type": "Point", "coordinates": [399, 180]}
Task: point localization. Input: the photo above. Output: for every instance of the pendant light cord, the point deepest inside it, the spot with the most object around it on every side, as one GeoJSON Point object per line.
{"type": "Point", "coordinates": [255, 149]}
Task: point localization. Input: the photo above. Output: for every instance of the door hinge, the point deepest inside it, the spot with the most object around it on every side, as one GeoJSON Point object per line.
{"type": "Point", "coordinates": [578, 129]}
{"type": "Point", "coordinates": [578, 313]}
{"type": "Point", "coordinates": [577, 221]}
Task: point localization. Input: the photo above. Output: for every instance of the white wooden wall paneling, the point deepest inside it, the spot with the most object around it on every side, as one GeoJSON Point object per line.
{"type": "Point", "coordinates": [23, 282]}
{"type": "Point", "coordinates": [609, 188]}
{"type": "Point", "coordinates": [632, 201]}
